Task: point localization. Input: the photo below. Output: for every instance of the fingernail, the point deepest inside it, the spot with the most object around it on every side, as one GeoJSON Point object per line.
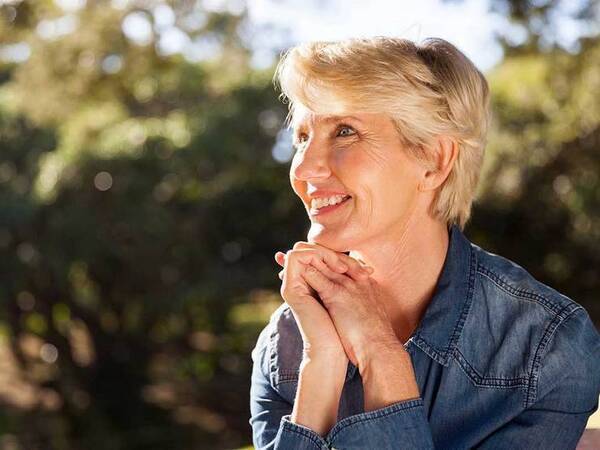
{"type": "Point", "coordinates": [342, 267]}
{"type": "Point", "coordinates": [369, 269]}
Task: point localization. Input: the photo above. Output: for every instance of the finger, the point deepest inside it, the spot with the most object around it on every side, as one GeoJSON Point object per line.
{"type": "Point", "coordinates": [334, 276]}
{"type": "Point", "coordinates": [325, 269]}
{"type": "Point", "coordinates": [306, 256]}
{"type": "Point", "coordinates": [319, 282]}
{"type": "Point", "coordinates": [354, 268]}
{"type": "Point", "coordinates": [296, 262]}
{"type": "Point", "coordinates": [280, 258]}
{"type": "Point", "coordinates": [331, 257]}
{"type": "Point", "coordinates": [293, 285]}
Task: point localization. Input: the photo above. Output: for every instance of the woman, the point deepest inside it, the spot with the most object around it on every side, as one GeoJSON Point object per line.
{"type": "Point", "coordinates": [396, 331]}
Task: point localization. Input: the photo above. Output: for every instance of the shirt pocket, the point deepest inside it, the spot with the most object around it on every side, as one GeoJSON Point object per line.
{"type": "Point", "coordinates": [501, 337]}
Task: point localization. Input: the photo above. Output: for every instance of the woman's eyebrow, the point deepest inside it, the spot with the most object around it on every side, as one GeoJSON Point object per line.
{"type": "Point", "coordinates": [333, 118]}
{"type": "Point", "coordinates": [326, 119]}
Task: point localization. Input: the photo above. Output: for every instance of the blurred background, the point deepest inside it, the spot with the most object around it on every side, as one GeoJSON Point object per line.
{"type": "Point", "coordinates": [144, 190]}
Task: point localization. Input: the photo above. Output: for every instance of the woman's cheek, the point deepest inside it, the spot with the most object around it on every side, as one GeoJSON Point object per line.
{"type": "Point", "coordinates": [347, 159]}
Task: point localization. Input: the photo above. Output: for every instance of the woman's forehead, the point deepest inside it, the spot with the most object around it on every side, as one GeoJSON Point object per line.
{"type": "Point", "coordinates": [303, 117]}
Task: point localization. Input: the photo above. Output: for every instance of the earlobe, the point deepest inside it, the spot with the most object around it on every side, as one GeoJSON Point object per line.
{"type": "Point", "coordinates": [423, 186]}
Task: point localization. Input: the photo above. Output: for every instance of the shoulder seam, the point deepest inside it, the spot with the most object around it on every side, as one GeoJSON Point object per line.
{"type": "Point", "coordinates": [519, 293]}
{"type": "Point", "coordinates": [566, 313]}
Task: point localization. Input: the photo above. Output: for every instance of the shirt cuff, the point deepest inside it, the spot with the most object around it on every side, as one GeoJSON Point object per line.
{"type": "Point", "coordinates": [402, 423]}
{"type": "Point", "coordinates": [293, 436]}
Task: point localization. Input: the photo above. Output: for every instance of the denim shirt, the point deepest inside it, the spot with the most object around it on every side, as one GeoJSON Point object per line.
{"type": "Point", "coordinates": [502, 361]}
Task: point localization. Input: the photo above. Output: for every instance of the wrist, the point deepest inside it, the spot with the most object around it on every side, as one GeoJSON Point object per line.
{"type": "Point", "coordinates": [388, 376]}
{"type": "Point", "coordinates": [330, 369]}
{"type": "Point", "coordinates": [320, 384]}
{"type": "Point", "coordinates": [324, 358]}
{"type": "Point", "coordinates": [377, 349]}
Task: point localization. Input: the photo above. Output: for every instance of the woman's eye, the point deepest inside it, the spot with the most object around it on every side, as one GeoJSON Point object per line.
{"type": "Point", "coordinates": [345, 130]}
{"type": "Point", "coordinates": [342, 131]}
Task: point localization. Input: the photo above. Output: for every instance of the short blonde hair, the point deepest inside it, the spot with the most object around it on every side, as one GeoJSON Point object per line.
{"type": "Point", "coordinates": [428, 89]}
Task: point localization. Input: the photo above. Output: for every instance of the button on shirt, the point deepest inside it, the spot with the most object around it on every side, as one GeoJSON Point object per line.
{"type": "Point", "coordinates": [502, 361]}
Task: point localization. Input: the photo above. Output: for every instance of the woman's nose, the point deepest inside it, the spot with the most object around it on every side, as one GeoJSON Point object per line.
{"type": "Point", "coordinates": [312, 162]}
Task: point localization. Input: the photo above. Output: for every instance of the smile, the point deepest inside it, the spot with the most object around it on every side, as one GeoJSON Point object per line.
{"type": "Point", "coordinates": [314, 211]}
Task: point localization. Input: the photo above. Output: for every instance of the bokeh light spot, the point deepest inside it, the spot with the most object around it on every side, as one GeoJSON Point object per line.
{"type": "Point", "coordinates": [103, 181]}
{"type": "Point", "coordinates": [137, 27]}
{"type": "Point", "coordinates": [26, 301]}
{"type": "Point", "coordinates": [282, 150]}
{"type": "Point", "coordinates": [112, 64]}
{"type": "Point", "coordinates": [49, 353]}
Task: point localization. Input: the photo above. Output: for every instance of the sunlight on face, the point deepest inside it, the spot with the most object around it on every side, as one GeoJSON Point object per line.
{"type": "Point", "coordinates": [359, 155]}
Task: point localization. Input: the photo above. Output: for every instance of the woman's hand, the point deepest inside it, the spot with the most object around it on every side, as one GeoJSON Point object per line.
{"type": "Point", "coordinates": [353, 300]}
{"type": "Point", "coordinates": [324, 362]}
{"type": "Point", "coordinates": [314, 322]}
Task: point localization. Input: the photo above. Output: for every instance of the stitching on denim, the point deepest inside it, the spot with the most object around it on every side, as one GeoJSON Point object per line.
{"type": "Point", "coordinates": [481, 381]}
{"type": "Point", "coordinates": [518, 293]}
{"type": "Point", "coordinates": [466, 308]}
{"type": "Point", "coordinates": [559, 319]}
{"type": "Point", "coordinates": [372, 415]}
{"type": "Point", "coordinates": [291, 426]}
{"type": "Point", "coordinates": [443, 356]}
{"type": "Point", "coordinates": [285, 376]}
{"type": "Point", "coordinates": [429, 350]}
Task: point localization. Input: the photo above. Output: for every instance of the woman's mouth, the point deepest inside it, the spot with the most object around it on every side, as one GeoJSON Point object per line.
{"type": "Point", "coordinates": [320, 207]}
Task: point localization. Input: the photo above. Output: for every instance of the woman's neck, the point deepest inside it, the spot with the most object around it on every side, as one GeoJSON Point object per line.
{"type": "Point", "coordinates": [407, 267]}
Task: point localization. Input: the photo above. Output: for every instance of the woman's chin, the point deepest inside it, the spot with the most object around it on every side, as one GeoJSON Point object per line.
{"type": "Point", "coordinates": [319, 234]}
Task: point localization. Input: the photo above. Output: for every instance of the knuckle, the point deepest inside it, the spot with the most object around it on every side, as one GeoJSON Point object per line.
{"type": "Point", "coordinates": [299, 245]}
{"type": "Point", "coordinates": [362, 276]}
{"type": "Point", "coordinates": [291, 255]}
{"type": "Point", "coordinates": [331, 286]}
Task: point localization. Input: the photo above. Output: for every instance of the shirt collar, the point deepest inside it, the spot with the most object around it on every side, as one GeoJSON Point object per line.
{"type": "Point", "coordinates": [441, 326]}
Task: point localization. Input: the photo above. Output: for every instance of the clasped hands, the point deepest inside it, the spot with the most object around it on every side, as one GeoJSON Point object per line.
{"type": "Point", "coordinates": [338, 307]}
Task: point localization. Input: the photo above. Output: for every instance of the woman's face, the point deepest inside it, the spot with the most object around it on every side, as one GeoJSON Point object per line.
{"type": "Point", "coordinates": [359, 155]}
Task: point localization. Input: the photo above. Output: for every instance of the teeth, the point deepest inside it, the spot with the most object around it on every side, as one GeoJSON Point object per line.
{"type": "Point", "coordinates": [317, 203]}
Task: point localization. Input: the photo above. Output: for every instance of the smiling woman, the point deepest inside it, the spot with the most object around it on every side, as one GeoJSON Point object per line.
{"type": "Point", "coordinates": [442, 93]}
{"type": "Point", "coordinates": [396, 330]}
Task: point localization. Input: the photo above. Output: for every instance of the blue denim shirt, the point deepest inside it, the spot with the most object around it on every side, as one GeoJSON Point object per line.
{"type": "Point", "coordinates": [502, 361]}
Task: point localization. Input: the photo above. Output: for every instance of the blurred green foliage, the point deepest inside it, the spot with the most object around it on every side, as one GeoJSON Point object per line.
{"type": "Point", "coordinates": [141, 207]}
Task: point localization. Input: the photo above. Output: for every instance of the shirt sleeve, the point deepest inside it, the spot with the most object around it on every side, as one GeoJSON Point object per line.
{"type": "Point", "coordinates": [270, 413]}
{"type": "Point", "coordinates": [568, 389]}
{"type": "Point", "coordinates": [399, 425]}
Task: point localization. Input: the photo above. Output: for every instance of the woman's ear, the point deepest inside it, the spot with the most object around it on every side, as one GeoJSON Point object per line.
{"type": "Point", "coordinates": [445, 152]}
